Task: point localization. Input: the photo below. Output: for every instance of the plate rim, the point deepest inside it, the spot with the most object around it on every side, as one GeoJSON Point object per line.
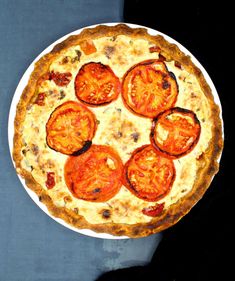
{"type": "Point", "coordinates": [24, 80]}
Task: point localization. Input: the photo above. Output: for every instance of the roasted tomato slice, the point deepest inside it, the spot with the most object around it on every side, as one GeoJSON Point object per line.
{"type": "Point", "coordinates": [96, 84]}
{"type": "Point", "coordinates": [149, 175]}
{"type": "Point", "coordinates": [148, 88]}
{"type": "Point", "coordinates": [175, 132]}
{"type": "Point", "coordinates": [70, 128]}
{"type": "Point", "coordinates": [95, 175]}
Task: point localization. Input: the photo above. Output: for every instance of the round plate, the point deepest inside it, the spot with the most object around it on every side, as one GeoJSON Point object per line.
{"type": "Point", "coordinates": [22, 84]}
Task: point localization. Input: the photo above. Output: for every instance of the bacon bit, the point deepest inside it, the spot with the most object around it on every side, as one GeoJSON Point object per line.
{"type": "Point", "coordinates": [50, 182]}
{"type": "Point", "coordinates": [65, 60]}
{"type": "Point", "coordinates": [177, 64]}
{"type": "Point", "coordinates": [35, 149]}
{"type": "Point", "coordinates": [108, 51]}
{"type": "Point", "coordinates": [88, 47]}
{"type": "Point", "coordinates": [199, 157]}
{"type": "Point", "coordinates": [77, 57]}
{"type": "Point", "coordinates": [106, 214]}
{"type": "Point", "coordinates": [61, 79]}
{"type": "Point", "coordinates": [154, 49]}
{"type": "Point", "coordinates": [161, 58]}
{"type": "Point", "coordinates": [40, 100]}
{"type": "Point", "coordinates": [193, 95]}
{"type": "Point", "coordinates": [165, 85]}
{"type": "Point", "coordinates": [153, 211]}
{"type": "Point", "coordinates": [62, 95]}
{"type": "Point", "coordinates": [135, 136]}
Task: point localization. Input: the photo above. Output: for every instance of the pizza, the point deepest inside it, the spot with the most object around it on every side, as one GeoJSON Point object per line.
{"type": "Point", "coordinates": [117, 131]}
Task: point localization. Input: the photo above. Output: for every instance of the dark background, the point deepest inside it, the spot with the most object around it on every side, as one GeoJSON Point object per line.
{"type": "Point", "coordinates": [199, 246]}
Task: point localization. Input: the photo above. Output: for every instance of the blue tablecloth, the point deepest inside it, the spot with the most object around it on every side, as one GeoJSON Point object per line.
{"type": "Point", "coordinates": [32, 245]}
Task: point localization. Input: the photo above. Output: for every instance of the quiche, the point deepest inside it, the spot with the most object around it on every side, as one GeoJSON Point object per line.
{"type": "Point", "coordinates": [117, 131]}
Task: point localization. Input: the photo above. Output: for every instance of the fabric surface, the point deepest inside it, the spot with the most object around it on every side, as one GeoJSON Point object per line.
{"type": "Point", "coordinates": [32, 245]}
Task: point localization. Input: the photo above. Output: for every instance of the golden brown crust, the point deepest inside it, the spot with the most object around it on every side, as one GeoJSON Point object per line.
{"type": "Point", "coordinates": [208, 161]}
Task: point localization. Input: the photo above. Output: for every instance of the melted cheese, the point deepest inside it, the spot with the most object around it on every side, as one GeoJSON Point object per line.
{"type": "Point", "coordinates": [117, 127]}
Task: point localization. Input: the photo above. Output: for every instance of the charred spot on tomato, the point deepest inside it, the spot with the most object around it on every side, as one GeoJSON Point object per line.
{"type": "Point", "coordinates": [86, 146]}
{"type": "Point", "coordinates": [96, 190]}
{"type": "Point", "coordinates": [165, 84]}
{"type": "Point", "coordinates": [72, 183]}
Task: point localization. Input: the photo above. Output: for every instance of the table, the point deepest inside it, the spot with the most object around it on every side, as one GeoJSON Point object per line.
{"type": "Point", "coordinates": [32, 245]}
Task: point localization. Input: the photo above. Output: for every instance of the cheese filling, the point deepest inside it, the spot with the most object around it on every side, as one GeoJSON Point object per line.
{"type": "Point", "coordinates": [117, 127]}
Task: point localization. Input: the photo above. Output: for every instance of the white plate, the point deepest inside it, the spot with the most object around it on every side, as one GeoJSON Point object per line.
{"type": "Point", "coordinates": [23, 82]}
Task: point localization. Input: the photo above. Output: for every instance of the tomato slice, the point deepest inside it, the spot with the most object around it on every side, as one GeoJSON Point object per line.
{"type": "Point", "coordinates": [95, 175]}
{"type": "Point", "coordinates": [70, 128]}
{"type": "Point", "coordinates": [148, 88]}
{"type": "Point", "coordinates": [96, 84]}
{"type": "Point", "coordinates": [175, 132]}
{"type": "Point", "coordinates": [148, 175]}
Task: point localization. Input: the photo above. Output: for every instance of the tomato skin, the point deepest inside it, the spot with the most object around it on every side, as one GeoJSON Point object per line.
{"type": "Point", "coordinates": [40, 100]}
{"type": "Point", "coordinates": [182, 136]}
{"type": "Point", "coordinates": [96, 175]}
{"type": "Point", "coordinates": [50, 182]}
{"type": "Point", "coordinates": [154, 211]}
{"type": "Point", "coordinates": [88, 47]}
{"type": "Point", "coordinates": [61, 79]}
{"type": "Point", "coordinates": [148, 175]}
{"type": "Point", "coordinates": [148, 88]}
{"type": "Point", "coordinates": [70, 128]}
{"type": "Point", "coordinates": [96, 84]}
